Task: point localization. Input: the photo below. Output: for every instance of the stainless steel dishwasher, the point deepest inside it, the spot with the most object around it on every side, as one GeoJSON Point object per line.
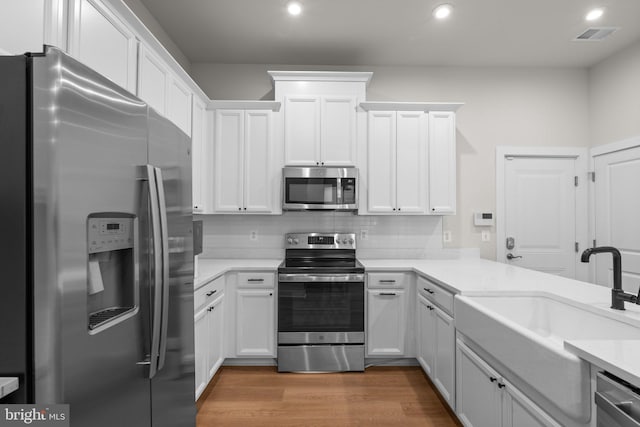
{"type": "Point", "coordinates": [618, 402]}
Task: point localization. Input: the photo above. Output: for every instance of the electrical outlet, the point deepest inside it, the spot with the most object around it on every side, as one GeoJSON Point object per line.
{"type": "Point", "coordinates": [364, 234]}
{"type": "Point", "coordinates": [253, 235]}
{"type": "Point", "coordinates": [486, 236]}
{"type": "Point", "coordinates": [446, 236]}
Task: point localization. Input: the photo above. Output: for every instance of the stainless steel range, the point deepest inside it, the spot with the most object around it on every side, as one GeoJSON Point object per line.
{"type": "Point", "coordinates": [320, 304]}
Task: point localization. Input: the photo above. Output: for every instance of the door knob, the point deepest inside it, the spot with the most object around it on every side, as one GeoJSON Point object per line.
{"type": "Point", "coordinates": [512, 256]}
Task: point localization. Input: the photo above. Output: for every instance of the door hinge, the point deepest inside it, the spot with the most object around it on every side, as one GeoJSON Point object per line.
{"type": "Point", "coordinates": [592, 176]}
{"type": "Point", "coordinates": [575, 180]}
{"type": "Point", "coordinates": [577, 247]}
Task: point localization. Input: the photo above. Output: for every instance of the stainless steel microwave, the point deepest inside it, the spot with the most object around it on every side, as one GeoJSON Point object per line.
{"type": "Point", "coordinates": [321, 188]}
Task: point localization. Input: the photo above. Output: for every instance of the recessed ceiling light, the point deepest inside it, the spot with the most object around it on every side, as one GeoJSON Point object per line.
{"type": "Point", "coordinates": [294, 8]}
{"type": "Point", "coordinates": [594, 14]}
{"type": "Point", "coordinates": [442, 12]}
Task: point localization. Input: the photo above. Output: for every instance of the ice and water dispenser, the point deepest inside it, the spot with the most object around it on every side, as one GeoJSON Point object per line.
{"type": "Point", "coordinates": [112, 282]}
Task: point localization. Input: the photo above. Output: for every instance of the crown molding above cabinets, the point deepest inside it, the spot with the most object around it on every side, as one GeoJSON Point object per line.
{"type": "Point", "coordinates": [321, 76]}
{"type": "Point", "coordinates": [244, 105]}
{"type": "Point", "coordinates": [410, 106]}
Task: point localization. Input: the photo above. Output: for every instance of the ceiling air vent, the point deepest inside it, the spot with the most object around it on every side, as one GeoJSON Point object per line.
{"type": "Point", "coordinates": [595, 34]}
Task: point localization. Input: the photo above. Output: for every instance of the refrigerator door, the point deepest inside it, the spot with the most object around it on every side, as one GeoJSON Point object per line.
{"type": "Point", "coordinates": [172, 387]}
{"type": "Point", "coordinates": [89, 139]}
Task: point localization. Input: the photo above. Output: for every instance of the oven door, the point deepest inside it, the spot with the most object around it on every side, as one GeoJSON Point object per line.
{"type": "Point", "coordinates": [320, 309]}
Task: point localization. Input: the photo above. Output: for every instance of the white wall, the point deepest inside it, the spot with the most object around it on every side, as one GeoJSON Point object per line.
{"type": "Point", "coordinates": [228, 236]}
{"type": "Point", "coordinates": [527, 107]}
{"type": "Point", "coordinates": [614, 97]}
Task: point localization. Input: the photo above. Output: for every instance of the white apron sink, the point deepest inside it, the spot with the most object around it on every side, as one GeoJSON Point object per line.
{"type": "Point", "coordinates": [526, 333]}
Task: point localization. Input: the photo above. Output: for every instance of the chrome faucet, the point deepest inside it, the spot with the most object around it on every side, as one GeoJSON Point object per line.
{"type": "Point", "coordinates": [618, 296]}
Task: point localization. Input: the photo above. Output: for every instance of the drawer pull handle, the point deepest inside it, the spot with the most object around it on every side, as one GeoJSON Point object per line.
{"type": "Point", "coordinates": [493, 379]}
{"type": "Point", "coordinates": [388, 281]}
{"type": "Point", "coordinates": [428, 290]}
{"type": "Point", "coordinates": [430, 307]}
{"type": "Point", "coordinates": [212, 292]}
{"type": "Point", "coordinates": [388, 294]}
{"type": "Point", "coordinates": [255, 280]}
{"type": "Point", "coordinates": [500, 385]}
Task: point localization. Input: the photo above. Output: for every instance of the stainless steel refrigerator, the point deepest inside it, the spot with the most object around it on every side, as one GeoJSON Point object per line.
{"type": "Point", "coordinates": [96, 295]}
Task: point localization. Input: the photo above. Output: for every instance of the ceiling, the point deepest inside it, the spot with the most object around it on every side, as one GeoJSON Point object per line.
{"type": "Point", "coordinates": [518, 33]}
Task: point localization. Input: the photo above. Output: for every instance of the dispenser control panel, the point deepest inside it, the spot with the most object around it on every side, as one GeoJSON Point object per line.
{"type": "Point", "coordinates": [109, 234]}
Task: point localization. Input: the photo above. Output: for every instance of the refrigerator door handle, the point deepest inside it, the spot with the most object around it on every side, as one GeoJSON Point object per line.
{"type": "Point", "coordinates": [157, 279]}
{"type": "Point", "coordinates": [165, 268]}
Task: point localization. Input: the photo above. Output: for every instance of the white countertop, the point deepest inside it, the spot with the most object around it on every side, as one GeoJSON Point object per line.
{"type": "Point", "coordinates": [475, 276]}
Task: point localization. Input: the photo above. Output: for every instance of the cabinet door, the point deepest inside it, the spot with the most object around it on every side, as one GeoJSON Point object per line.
{"type": "Point", "coordinates": [302, 130]}
{"type": "Point", "coordinates": [102, 41]}
{"type": "Point", "coordinates": [257, 154]}
{"type": "Point", "coordinates": [444, 355]}
{"type": "Point", "coordinates": [255, 323]}
{"type": "Point", "coordinates": [215, 324]}
{"type": "Point", "coordinates": [179, 105]}
{"type": "Point", "coordinates": [198, 150]}
{"type": "Point", "coordinates": [386, 322]}
{"type": "Point", "coordinates": [338, 131]}
{"type": "Point", "coordinates": [478, 401]}
{"type": "Point", "coordinates": [229, 160]}
{"type": "Point", "coordinates": [21, 26]}
{"type": "Point", "coordinates": [426, 335]}
{"type": "Point", "coordinates": [153, 80]}
{"type": "Point", "coordinates": [382, 161]}
{"type": "Point", "coordinates": [520, 411]}
{"type": "Point", "coordinates": [411, 162]}
{"type": "Point", "coordinates": [201, 346]}
{"type": "Point", "coordinates": [442, 162]}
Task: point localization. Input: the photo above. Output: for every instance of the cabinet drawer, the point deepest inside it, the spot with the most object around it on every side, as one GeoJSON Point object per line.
{"type": "Point", "coordinates": [386, 280]}
{"type": "Point", "coordinates": [256, 280]}
{"type": "Point", "coordinates": [208, 292]}
{"type": "Point", "coordinates": [436, 294]}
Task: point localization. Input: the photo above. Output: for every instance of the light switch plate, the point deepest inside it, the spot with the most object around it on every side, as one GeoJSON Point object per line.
{"type": "Point", "coordinates": [446, 236]}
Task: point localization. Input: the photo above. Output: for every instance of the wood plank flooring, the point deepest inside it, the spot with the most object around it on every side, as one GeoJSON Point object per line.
{"type": "Point", "coordinates": [382, 396]}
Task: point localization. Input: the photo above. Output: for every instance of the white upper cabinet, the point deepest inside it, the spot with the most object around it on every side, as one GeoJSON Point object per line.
{"type": "Point", "coordinates": [411, 159]}
{"type": "Point", "coordinates": [320, 130]}
{"type": "Point", "coordinates": [162, 91]}
{"type": "Point", "coordinates": [320, 124]}
{"type": "Point", "coordinates": [244, 178]}
{"type": "Point", "coordinates": [26, 25]}
{"type": "Point", "coordinates": [302, 130]}
{"type": "Point", "coordinates": [153, 80]}
{"type": "Point", "coordinates": [99, 39]}
{"type": "Point", "coordinates": [397, 162]}
{"type": "Point", "coordinates": [442, 162]}
{"type": "Point", "coordinates": [202, 156]}
{"type": "Point", "coordinates": [179, 105]}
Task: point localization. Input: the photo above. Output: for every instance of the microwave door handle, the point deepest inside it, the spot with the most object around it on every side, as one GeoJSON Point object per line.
{"type": "Point", "coordinates": [339, 191]}
{"type": "Point", "coordinates": [162, 352]}
{"type": "Point", "coordinates": [157, 273]}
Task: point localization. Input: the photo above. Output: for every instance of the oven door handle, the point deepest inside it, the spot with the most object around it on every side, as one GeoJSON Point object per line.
{"type": "Point", "coordinates": [310, 278]}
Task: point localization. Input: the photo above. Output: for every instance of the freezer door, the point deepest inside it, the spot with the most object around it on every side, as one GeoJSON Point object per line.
{"type": "Point", "coordinates": [89, 139]}
{"type": "Point", "coordinates": [173, 385]}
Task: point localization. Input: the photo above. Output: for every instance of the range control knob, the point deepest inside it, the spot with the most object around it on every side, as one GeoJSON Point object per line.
{"type": "Point", "coordinates": [351, 241]}
{"type": "Point", "coordinates": [289, 240]}
{"type": "Point", "coordinates": [296, 241]}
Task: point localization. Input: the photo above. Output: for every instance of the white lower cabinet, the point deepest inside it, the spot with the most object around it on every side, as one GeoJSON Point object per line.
{"type": "Point", "coordinates": [486, 399]}
{"type": "Point", "coordinates": [255, 315]}
{"type": "Point", "coordinates": [436, 347]}
{"type": "Point", "coordinates": [209, 355]}
{"type": "Point", "coordinates": [386, 322]}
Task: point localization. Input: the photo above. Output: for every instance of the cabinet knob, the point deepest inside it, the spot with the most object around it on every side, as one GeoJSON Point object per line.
{"type": "Point", "coordinates": [239, 209]}
{"type": "Point", "coordinates": [398, 208]}
{"type": "Point", "coordinates": [245, 209]}
{"type": "Point", "coordinates": [270, 294]}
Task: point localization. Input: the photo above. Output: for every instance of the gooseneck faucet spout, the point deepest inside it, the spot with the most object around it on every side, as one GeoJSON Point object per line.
{"type": "Point", "coordinates": [618, 296]}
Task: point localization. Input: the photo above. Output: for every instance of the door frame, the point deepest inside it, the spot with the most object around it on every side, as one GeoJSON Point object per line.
{"type": "Point", "coordinates": [580, 154]}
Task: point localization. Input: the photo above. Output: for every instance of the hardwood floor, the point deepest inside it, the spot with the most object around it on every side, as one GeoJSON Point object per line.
{"type": "Point", "coordinates": [382, 396]}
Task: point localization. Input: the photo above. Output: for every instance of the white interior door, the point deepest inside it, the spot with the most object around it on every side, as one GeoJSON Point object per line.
{"type": "Point", "coordinates": [540, 213]}
{"type": "Point", "coordinates": [617, 215]}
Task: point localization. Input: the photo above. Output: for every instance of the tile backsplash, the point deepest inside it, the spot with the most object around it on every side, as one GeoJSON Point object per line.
{"type": "Point", "coordinates": [230, 236]}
